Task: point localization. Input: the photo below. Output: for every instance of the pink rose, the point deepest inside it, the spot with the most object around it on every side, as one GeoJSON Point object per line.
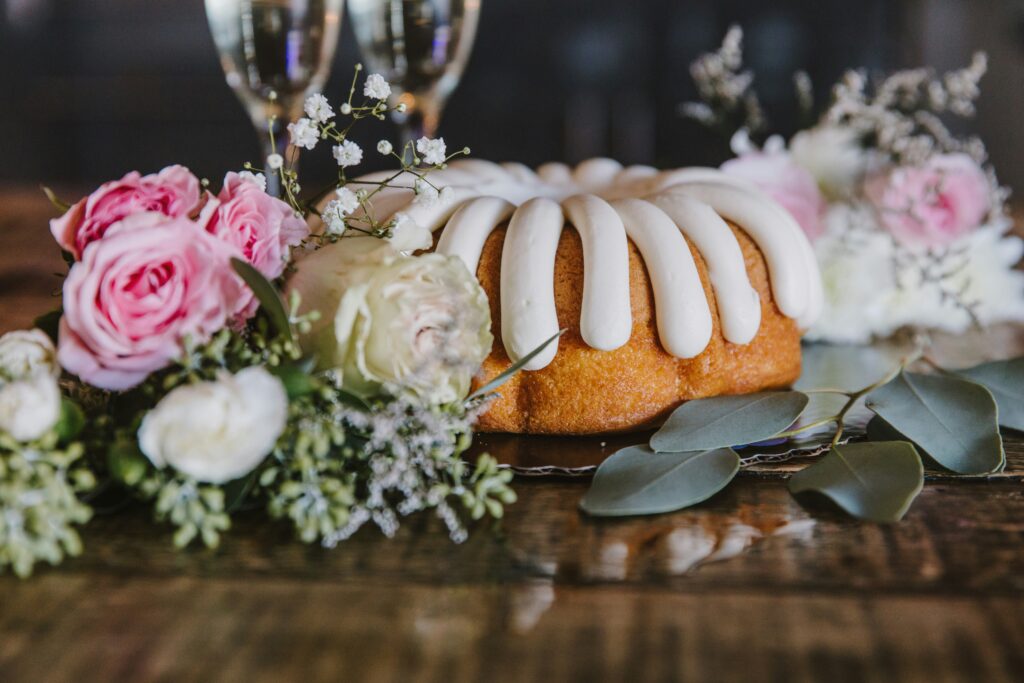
{"type": "Point", "coordinates": [933, 204]}
{"type": "Point", "coordinates": [783, 180]}
{"type": "Point", "coordinates": [137, 293]}
{"type": "Point", "coordinates": [260, 227]}
{"type": "Point", "coordinates": [173, 192]}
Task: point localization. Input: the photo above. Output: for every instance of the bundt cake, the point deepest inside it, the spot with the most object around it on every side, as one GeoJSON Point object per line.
{"type": "Point", "coordinates": [672, 285]}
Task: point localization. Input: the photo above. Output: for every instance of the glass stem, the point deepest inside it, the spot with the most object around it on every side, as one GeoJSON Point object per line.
{"type": "Point", "coordinates": [273, 140]}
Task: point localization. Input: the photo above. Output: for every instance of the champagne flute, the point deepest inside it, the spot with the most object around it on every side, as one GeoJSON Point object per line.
{"type": "Point", "coordinates": [421, 48]}
{"type": "Point", "coordinates": [275, 53]}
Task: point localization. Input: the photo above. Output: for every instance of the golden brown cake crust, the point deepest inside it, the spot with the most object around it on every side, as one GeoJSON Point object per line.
{"type": "Point", "coordinates": [587, 391]}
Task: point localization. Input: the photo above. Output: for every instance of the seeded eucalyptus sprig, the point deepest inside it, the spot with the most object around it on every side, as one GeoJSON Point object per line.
{"type": "Point", "coordinates": [40, 484]}
{"type": "Point", "coordinates": [950, 418]}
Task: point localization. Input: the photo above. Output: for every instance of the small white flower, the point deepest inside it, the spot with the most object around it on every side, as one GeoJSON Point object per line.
{"type": "Point", "coordinates": [30, 407]}
{"type": "Point", "coordinates": [257, 179]}
{"type": "Point", "coordinates": [334, 220]}
{"type": "Point", "coordinates": [304, 133]}
{"type": "Point", "coordinates": [24, 353]}
{"type": "Point", "coordinates": [347, 154]}
{"type": "Point", "coordinates": [376, 87]}
{"type": "Point", "coordinates": [384, 147]}
{"type": "Point", "coordinates": [318, 108]}
{"type": "Point", "coordinates": [345, 109]}
{"type": "Point", "coordinates": [432, 151]}
{"type": "Point", "coordinates": [426, 194]}
{"type": "Point", "coordinates": [217, 431]}
{"type": "Point", "coordinates": [275, 161]}
{"type": "Point", "coordinates": [400, 108]}
{"type": "Point", "coordinates": [347, 199]}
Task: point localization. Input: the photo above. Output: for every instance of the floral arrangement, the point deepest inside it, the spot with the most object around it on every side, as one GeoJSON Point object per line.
{"type": "Point", "coordinates": [211, 352]}
{"type": "Point", "coordinates": [908, 220]}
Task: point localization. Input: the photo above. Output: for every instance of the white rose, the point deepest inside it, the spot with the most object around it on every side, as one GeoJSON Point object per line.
{"type": "Point", "coordinates": [30, 407]}
{"type": "Point", "coordinates": [27, 352]}
{"type": "Point", "coordinates": [834, 156]}
{"type": "Point", "coordinates": [418, 325]}
{"type": "Point", "coordinates": [217, 431]}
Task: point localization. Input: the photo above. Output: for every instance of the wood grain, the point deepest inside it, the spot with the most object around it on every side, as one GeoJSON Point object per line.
{"type": "Point", "coordinates": [749, 586]}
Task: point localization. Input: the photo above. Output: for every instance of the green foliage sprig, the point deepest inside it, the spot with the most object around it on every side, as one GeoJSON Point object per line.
{"type": "Point", "coordinates": [950, 419]}
{"type": "Point", "coordinates": [40, 484]}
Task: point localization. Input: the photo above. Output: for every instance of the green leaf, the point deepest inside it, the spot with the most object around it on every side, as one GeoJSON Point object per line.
{"type": "Point", "coordinates": [267, 295]}
{"type": "Point", "coordinates": [235, 492]}
{"type": "Point", "coordinates": [875, 481]}
{"type": "Point", "coordinates": [725, 421]}
{"type": "Point", "coordinates": [49, 323]}
{"type": "Point", "coordinates": [1005, 379]}
{"type": "Point", "coordinates": [638, 481]}
{"type": "Point", "coordinates": [296, 379]}
{"type": "Point", "coordinates": [953, 420]}
{"type": "Point", "coordinates": [71, 422]}
{"type": "Point", "coordinates": [58, 203]}
{"type": "Point", "coordinates": [512, 369]}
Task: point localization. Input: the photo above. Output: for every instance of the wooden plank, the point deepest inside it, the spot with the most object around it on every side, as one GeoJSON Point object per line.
{"type": "Point", "coordinates": [189, 629]}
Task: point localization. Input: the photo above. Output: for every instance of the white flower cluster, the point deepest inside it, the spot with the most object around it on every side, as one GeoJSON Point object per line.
{"type": "Point", "coordinates": [874, 288]}
{"type": "Point", "coordinates": [406, 468]}
{"type": "Point", "coordinates": [725, 91]}
{"type": "Point", "coordinates": [433, 152]}
{"type": "Point", "coordinates": [345, 202]}
{"type": "Point", "coordinates": [30, 401]}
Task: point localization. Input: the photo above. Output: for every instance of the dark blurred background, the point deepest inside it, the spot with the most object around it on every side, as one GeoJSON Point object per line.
{"type": "Point", "coordinates": [92, 88]}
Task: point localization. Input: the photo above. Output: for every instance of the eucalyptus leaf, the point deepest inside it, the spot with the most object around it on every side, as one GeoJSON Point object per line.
{"type": "Point", "coordinates": [1005, 379]}
{"type": "Point", "coordinates": [512, 369]}
{"type": "Point", "coordinates": [724, 421]}
{"type": "Point", "coordinates": [267, 295]}
{"type": "Point", "coordinates": [875, 481]}
{"type": "Point", "coordinates": [952, 419]}
{"type": "Point", "coordinates": [879, 430]}
{"type": "Point", "coordinates": [638, 481]}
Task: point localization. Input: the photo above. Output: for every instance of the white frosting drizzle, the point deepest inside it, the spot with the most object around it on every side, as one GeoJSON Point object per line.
{"type": "Point", "coordinates": [470, 226]}
{"type": "Point", "coordinates": [606, 319]}
{"type": "Point", "coordinates": [682, 311]}
{"type": "Point", "coordinates": [607, 203]}
{"type": "Point", "coordinates": [739, 307]}
{"type": "Point", "coordinates": [778, 244]}
{"type": "Point", "coordinates": [596, 174]}
{"type": "Point", "coordinates": [528, 316]}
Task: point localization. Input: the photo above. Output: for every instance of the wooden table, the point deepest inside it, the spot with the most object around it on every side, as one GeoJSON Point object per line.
{"type": "Point", "coordinates": [747, 587]}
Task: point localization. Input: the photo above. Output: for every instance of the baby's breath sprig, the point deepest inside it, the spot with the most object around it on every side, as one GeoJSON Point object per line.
{"type": "Point", "coordinates": [351, 211]}
{"type": "Point", "coordinates": [728, 101]}
{"type": "Point", "coordinates": [40, 483]}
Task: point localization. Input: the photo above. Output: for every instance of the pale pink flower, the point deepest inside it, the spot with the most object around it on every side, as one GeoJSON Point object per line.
{"type": "Point", "coordinates": [932, 204]}
{"type": "Point", "coordinates": [783, 180]}
{"type": "Point", "coordinates": [174, 192]}
{"type": "Point", "coordinates": [136, 295]}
